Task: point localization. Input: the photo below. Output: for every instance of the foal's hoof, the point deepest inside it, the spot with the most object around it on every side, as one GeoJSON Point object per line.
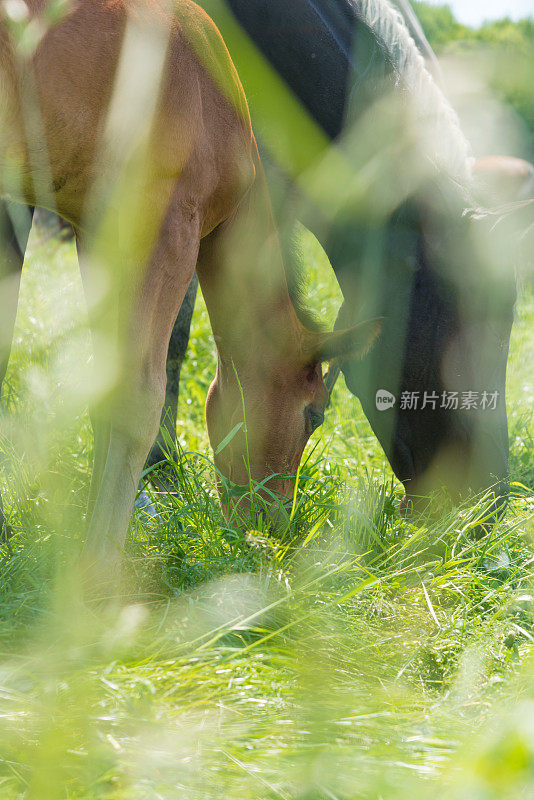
{"type": "Point", "coordinates": [405, 506]}
{"type": "Point", "coordinates": [498, 564]}
{"type": "Point", "coordinates": [145, 508]}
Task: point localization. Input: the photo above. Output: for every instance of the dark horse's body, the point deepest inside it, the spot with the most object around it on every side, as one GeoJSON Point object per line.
{"type": "Point", "coordinates": [446, 325]}
{"type": "Point", "coordinates": [334, 59]}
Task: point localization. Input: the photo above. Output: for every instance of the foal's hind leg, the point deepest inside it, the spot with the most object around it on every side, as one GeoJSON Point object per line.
{"type": "Point", "coordinates": [15, 226]}
{"type": "Point", "coordinates": [134, 411]}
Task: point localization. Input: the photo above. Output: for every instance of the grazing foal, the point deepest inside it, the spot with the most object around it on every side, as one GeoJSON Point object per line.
{"type": "Point", "coordinates": [128, 118]}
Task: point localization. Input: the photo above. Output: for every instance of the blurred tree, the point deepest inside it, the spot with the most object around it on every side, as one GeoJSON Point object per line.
{"type": "Point", "coordinates": [505, 47]}
{"type": "Point", "coordinates": [440, 25]}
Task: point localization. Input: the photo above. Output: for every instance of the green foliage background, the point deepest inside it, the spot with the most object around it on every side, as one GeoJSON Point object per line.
{"type": "Point", "coordinates": [503, 50]}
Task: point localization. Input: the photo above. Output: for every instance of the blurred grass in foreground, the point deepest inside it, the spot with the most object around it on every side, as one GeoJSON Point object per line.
{"type": "Point", "coordinates": [358, 655]}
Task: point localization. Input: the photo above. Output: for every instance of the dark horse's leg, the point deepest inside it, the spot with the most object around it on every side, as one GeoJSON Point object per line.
{"type": "Point", "coordinates": [15, 225]}
{"type": "Point", "coordinates": [175, 357]}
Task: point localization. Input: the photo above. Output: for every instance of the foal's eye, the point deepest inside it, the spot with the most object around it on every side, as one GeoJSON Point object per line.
{"type": "Point", "coordinates": [314, 419]}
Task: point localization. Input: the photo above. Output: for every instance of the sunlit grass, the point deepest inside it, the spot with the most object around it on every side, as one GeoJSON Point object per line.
{"type": "Point", "coordinates": [357, 654]}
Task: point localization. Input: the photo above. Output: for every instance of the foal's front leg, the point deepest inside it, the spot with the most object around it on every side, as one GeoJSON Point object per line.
{"type": "Point", "coordinates": [133, 413]}
{"type": "Point", "coordinates": [15, 226]}
{"type": "Point", "coordinates": [175, 358]}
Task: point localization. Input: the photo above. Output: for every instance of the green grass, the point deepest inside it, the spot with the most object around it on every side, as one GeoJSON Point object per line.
{"type": "Point", "coordinates": [357, 655]}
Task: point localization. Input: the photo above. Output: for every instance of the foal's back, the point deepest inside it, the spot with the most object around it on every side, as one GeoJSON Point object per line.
{"type": "Point", "coordinates": [120, 77]}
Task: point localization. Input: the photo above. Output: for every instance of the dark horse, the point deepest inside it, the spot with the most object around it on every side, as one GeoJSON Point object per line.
{"type": "Point", "coordinates": [443, 349]}
{"type": "Point", "coordinates": [448, 317]}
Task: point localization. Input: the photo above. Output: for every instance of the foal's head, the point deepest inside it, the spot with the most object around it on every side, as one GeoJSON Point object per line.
{"type": "Point", "coordinates": [261, 412]}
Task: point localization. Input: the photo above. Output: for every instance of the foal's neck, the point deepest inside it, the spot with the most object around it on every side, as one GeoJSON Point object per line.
{"type": "Point", "coordinates": [243, 281]}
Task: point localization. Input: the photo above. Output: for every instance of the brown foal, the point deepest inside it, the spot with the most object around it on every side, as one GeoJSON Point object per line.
{"type": "Point", "coordinates": [128, 118]}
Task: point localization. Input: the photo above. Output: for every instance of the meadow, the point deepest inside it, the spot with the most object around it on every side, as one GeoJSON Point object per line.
{"type": "Point", "coordinates": [353, 654]}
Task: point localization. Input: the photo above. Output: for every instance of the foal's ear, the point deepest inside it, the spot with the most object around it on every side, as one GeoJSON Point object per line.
{"type": "Point", "coordinates": [355, 341]}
